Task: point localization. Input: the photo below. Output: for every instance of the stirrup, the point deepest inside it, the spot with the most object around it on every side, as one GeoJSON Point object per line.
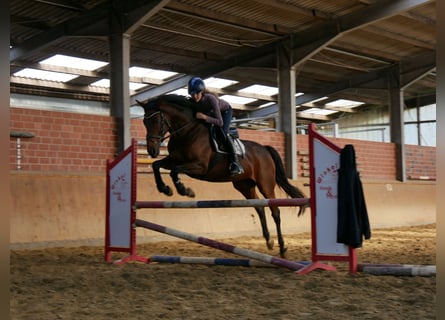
{"type": "Point", "coordinates": [235, 169]}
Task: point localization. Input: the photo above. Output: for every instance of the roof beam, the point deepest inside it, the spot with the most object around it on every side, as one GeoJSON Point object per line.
{"type": "Point", "coordinates": [244, 94]}
{"type": "Point", "coordinates": [378, 11]}
{"type": "Point", "coordinates": [411, 70]}
{"type": "Point", "coordinates": [177, 30]}
{"type": "Point", "coordinates": [420, 18]}
{"type": "Point", "coordinates": [91, 22]}
{"type": "Point", "coordinates": [417, 67]}
{"type": "Point", "coordinates": [401, 37]}
{"type": "Point", "coordinates": [217, 68]}
{"type": "Point", "coordinates": [294, 8]}
{"type": "Point", "coordinates": [70, 5]}
{"type": "Point", "coordinates": [57, 85]}
{"type": "Point", "coordinates": [225, 20]}
{"type": "Point", "coordinates": [52, 35]}
{"type": "Point", "coordinates": [312, 116]}
{"type": "Point", "coordinates": [421, 101]}
{"type": "Point", "coordinates": [137, 12]}
{"type": "Point", "coordinates": [302, 43]}
{"type": "Point", "coordinates": [175, 51]}
{"type": "Point", "coordinates": [53, 68]}
{"type": "Point", "coordinates": [162, 89]}
{"type": "Point", "coordinates": [324, 106]}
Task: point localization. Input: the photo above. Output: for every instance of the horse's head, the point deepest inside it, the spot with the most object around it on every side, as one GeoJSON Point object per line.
{"type": "Point", "coordinates": [164, 114]}
{"type": "Point", "coordinates": [155, 125]}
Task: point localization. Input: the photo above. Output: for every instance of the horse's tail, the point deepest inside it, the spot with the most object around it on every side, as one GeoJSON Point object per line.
{"type": "Point", "coordinates": [281, 178]}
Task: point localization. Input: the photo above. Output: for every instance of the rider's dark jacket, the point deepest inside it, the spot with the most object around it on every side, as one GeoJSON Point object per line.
{"type": "Point", "coordinates": [213, 107]}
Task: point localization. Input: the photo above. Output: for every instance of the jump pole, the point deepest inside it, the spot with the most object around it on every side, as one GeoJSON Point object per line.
{"type": "Point", "coordinates": [285, 202]}
{"type": "Point", "coordinates": [397, 269]}
{"type": "Point", "coordinates": [210, 261]}
{"type": "Point", "coordinates": [294, 266]}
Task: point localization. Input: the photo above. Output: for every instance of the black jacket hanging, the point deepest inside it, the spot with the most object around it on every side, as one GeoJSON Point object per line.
{"type": "Point", "coordinates": [353, 222]}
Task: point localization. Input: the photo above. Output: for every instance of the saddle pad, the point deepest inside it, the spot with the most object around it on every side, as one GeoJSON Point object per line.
{"type": "Point", "coordinates": [240, 149]}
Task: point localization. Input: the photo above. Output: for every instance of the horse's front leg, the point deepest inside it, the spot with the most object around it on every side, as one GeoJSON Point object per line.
{"type": "Point", "coordinates": [180, 187]}
{"type": "Point", "coordinates": [162, 187]}
{"type": "Point", "coordinates": [193, 169]}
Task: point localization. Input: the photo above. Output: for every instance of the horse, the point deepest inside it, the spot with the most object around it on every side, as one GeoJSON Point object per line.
{"type": "Point", "coordinates": [190, 152]}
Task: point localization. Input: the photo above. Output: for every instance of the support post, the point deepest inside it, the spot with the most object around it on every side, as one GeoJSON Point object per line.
{"type": "Point", "coordinates": [119, 79]}
{"type": "Point", "coordinates": [396, 121]}
{"type": "Point", "coordinates": [287, 121]}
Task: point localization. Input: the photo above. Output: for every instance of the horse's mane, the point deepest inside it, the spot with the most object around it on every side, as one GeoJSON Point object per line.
{"type": "Point", "coordinates": [173, 99]}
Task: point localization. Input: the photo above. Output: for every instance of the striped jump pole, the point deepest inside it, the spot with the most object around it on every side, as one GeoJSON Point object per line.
{"type": "Point", "coordinates": [214, 261]}
{"type": "Point", "coordinates": [285, 202]}
{"type": "Point", "coordinates": [210, 261]}
{"type": "Point", "coordinates": [294, 266]}
{"type": "Point", "coordinates": [397, 269]}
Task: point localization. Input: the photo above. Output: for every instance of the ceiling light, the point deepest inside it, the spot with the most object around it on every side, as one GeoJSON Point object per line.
{"type": "Point", "coordinates": [318, 111]}
{"type": "Point", "coordinates": [237, 100]}
{"type": "Point", "coordinates": [45, 75]}
{"type": "Point", "coordinates": [344, 103]}
{"type": "Point", "coordinates": [218, 82]}
{"type": "Point", "coordinates": [260, 89]}
{"type": "Point", "coordinates": [150, 73]}
{"type": "Point", "coordinates": [73, 62]}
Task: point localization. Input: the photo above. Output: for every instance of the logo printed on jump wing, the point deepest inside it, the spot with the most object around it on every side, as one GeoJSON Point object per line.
{"type": "Point", "coordinates": [327, 179]}
{"type": "Point", "coordinates": [119, 184]}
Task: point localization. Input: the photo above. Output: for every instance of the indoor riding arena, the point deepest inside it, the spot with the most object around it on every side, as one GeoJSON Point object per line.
{"type": "Point", "coordinates": [92, 236]}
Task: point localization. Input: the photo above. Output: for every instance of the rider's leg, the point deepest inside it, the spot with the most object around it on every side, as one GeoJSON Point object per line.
{"type": "Point", "coordinates": [234, 166]}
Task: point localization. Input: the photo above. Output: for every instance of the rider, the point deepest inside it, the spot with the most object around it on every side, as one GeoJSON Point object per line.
{"type": "Point", "coordinates": [219, 113]}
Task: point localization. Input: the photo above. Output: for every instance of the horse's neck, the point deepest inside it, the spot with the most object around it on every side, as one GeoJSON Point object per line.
{"type": "Point", "coordinates": [179, 119]}
{"type": "Point", "coordinates": [183, 125]}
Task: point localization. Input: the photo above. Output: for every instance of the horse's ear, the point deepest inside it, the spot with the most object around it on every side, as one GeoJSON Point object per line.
{"type": "Point", "coordinates": [140, 103]}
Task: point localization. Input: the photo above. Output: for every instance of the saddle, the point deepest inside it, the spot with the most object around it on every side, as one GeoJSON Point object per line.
{"type": "Point", "coordinates": [217, 139]}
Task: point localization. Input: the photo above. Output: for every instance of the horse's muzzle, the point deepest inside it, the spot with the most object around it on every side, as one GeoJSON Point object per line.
{"type": "Point", "coordinates": [153, 151]}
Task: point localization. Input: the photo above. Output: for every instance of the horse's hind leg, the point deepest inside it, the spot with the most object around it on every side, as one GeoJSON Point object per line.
{"type": "Point", "coordinates": [262, 216]}
{"type": "Point", "coordinates": [277, 218]}
{"type": "Point", "coordinates": [268, 191]}
{"type": "Point", "coordinates": [247, 188]}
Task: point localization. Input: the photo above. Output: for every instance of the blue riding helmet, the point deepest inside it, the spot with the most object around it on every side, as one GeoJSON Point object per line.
{"type": "Point", "coordinates": [195, 85]}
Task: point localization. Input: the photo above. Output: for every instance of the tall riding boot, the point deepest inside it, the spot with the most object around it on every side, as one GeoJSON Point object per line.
{"type": "Point", "coordinates": [234, 166]}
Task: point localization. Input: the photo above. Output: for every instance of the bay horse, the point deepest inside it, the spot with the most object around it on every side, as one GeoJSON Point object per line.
{"type": "Point", "coordinates": [190, 152]}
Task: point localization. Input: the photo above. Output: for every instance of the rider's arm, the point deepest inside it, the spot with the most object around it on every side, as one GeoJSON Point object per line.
{"type": "Point", "coordinates": [214, 114]}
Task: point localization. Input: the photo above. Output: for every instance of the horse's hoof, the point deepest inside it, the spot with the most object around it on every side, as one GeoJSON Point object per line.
{"type": "Point", "coordinates": [166, 190]}
{"type": "Point", "coordinates": [190, 193]}
{"type": "Point", "coordinates": [183, 191]}
{"type": "Point", "coordinates": [270, 244]}
{"type": "Point", "coordinates": [283, 253]}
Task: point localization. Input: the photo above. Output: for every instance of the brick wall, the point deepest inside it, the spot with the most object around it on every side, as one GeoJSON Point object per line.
{"type": "Point", "coordinates": [267, 138]}
{"type": "Point", "coordinates": [81, 143]}
{"type": "Point", "coordinates": [375, 160]}
{"type": "Point", "coordinates": [62, 141]}
{"type": "Point", "coordinates": [420, 162]}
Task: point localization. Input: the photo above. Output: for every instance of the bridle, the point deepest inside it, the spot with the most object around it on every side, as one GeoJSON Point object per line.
{"type": "Point", "coordinates": [164, 123]}
{"type": "Point", "coordinates": [162, 131]}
